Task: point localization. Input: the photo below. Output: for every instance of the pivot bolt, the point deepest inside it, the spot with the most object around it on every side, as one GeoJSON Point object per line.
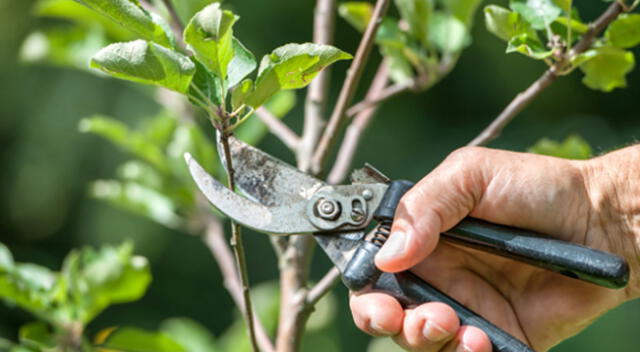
{"type": "Point", "coordinates": [328, 209]}
{"type": "Point", "coordinates": [367, 194]}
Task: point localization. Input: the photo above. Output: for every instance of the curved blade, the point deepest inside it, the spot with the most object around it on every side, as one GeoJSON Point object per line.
{"type": "Point", "coordinates": [340, 247]}
{"type": "Point", "coordinates": [268, 180]}
{"type": "Point", "coordinates": [270, 219]}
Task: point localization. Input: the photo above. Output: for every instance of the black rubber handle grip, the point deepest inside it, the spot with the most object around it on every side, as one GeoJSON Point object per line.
{"type": "Point", "coordinates": [361, 275]}
{"type": "Point", "coordinates": [563, 257]}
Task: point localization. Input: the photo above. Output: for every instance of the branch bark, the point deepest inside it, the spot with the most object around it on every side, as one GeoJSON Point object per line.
{"type": "Point", "coordinates": [238, 247]}
{"type": "Point", "coordinates": [278, 128]}
{"type": "Point", "coordinates": [355, 130]}
{"type": "Point", "coordinates": [316, 101]}
{"type": "Point", "coordinates": [349, 87]}
{"type": "Point", "coordinates": [371, 101]}
{"type": "Point", "coordinates": [523, 99]}
{"type": "Point", "coordinates": [323, 286]}
{"type": "Point", "coordinates": [215, 240]}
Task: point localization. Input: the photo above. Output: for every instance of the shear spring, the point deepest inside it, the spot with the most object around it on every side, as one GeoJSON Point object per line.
{"type": "Point", "coordinates": [381, 233]}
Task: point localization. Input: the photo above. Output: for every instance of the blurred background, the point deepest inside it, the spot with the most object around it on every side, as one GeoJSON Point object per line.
{"type": "Point", "coordinates": [46, 165]}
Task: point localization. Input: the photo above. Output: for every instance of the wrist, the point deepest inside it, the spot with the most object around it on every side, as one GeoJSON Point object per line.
{"type": "Point", "coordinates": [612, 183]}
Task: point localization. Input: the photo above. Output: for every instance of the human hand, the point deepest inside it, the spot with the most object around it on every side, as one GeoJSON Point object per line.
{"type": "Point", "coordinates": [588, 202]}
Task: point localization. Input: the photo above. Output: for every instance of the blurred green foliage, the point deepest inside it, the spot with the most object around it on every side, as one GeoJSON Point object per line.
{"type": "Point", "coordinates": [47, 165]}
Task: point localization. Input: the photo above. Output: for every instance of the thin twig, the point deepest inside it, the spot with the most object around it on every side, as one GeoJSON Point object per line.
{"type": "Point", "coordinates": [357, 127]}
{"type": "Point", "coordinates": [316, 101]}
{"type": "Point", "coordinates": [278, 128]}
{"type": "Point", "coordinates": [323, 286]}
{"type": "Point", "coordinates": [523, 99]}
{"type": "Point", "coordinates": [386, 94]}
{"type": "Point", "coordinates": [216, 242]}
{"type": "Point", "coordinates": [237, 245]}
{"type": "Point", "coordinates": [349, 87]}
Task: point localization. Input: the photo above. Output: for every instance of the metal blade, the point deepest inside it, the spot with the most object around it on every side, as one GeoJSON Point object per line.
{"type": "Point", "coordinates": [340, 247]}
{"type": "Point", "coordinates": [267, 180]}
{"type": "Point", "coordinates": [269, 219]}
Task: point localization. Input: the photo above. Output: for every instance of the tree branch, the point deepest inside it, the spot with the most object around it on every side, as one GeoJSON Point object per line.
{"type": "Point", "coordinates": [355, 130]}
{"type": "Point", "coordinates": [278, 128]}
{"type": "Point", "coordinates": [316, 101]}
{"type": "Point", "coordinates": [236, 243]}
{"type": "Point", "coordinates": [215, 240]}
{"type": "Point", "coordinates": [323, 286]}
{"type": "Point", "coordinates": [371, 101]}
{"type": "Point", "coordinates": [349, 87]}
{"type": "Point", "coordinates": [523, 99]}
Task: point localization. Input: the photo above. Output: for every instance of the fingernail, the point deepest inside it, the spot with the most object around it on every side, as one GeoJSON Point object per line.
{"type": "Point", "coordinates": [394, 247]}
{"type": "Point", "coordinates": [434, 332]}
{"type": "Point", "coordinates": [376, 327]}
{"type": "Point", "coordinates": [463, 348]}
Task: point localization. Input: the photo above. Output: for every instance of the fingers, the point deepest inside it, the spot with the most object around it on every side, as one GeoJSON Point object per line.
{"type": "Point", "coordinates": [429, 327]}
{"type": "Point", "coordinates": [377, 314]}
{"type": "Point", "coordinates": [435, 204]}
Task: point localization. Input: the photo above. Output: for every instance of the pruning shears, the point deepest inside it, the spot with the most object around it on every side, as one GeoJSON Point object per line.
{"type": "Point", "coordinates": [280, 199]}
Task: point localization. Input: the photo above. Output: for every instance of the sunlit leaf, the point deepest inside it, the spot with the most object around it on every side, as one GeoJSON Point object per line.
{"type": "Point", "coordinates": [242, 64]}
{"type": "Point", "coordinates": [605, 68]}
{"type": "Point", "coordinates": [539, 13]}
{"type": "Point", "coordinates": [138, 340]}
{"type": "Point", "coordinates": [292, 66]}
{"type": "Point", "coordinates": [240, 93]}
{"type": "Point", "coordinates": [573, 147]}
{"type": "Point", "coordinates": [393, 46]}
{"type": "Point", "coordinates": [131, 141]}
{"type": "Point", "coordinates": [506, 24]}
{"type": "Point", "coordinates": [357, 13]}
{"type": "Point", "coordinates": [190, 334]}
{"type": "Point", "coordinates": [205, 87]}
{"type": "Point", "coordinates": [448, 33]}
{"type": "Point", "coordinates": [417, 14]}
{"type": "Point", "coordinates": [463, 10]}
{"type": "Point", "coordinates": [625, 31]}
{"type": "Point", "coordinates": [210, 35]}
{"type": "Point", "coordinates": [131, 15]}
{"type": "Point", "coordinates": [100, 278]}
{"type": "Point", "coordinates": [138, 199]}
{"type": "Point", "coordinates": [565, 5]}
{"type": "Point", "coordinates": [146, 62]}
{"type": "Point", "coordinates": [529, 46]}
{"type": "Point", "coordinates": [37, 335]}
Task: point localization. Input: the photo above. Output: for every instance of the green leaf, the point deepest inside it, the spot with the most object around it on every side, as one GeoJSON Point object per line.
{"type": "Point", "coordinates": [254, 129]}
{"type": "Point", "coordinates": [576, 26]}
{"type": "Point", "coordinates": [129, 14]}
{"type": "Point", "coordinates": [159, 129]}
{"type": "Point", "coordinates": [357, 13]}
{"type": "Point", "coordinates": [141, 173]}
{"type": "Point", "coordinates": [573, 147]}
{"type": "Point", "coordinates": [140, 199]}
{"type": "Point", "coordinates": [292, 66]}
{"type": "Point", "coordinates": [448, 33]}
{"type": "Point", "coordinates": [464, 10]}
{"type": "Point", "coordinates": [506, 24]}
{"type": "Point", "coordinates": [605, 68]}
{"type": "Point", "coordinates": [31, 287]}
{"type": "Point", "coordinates": [189, 138]}
{"type": "Point", "coordinates": [565, 5]}
{"type": "Point", "coordinates": [131, 141]}
{"type": "Point", "coordinates": [100, 278]}
{"type": "Point", "coordinates": [210, 35]}
{"type": "Point", "coordinates": [146, 62]}
{"type": "Point", "coordinates": [190, 334]}
{"type": "Point", "coordinates": [625, 31]}
{"type": "Point", "coordinates": [138, 340]}
{"type": "Point", "coordinates": [539, 13]}
{"type": "Point", "coordinates": [37, 335]}
{"type": "Point", "coordinates": [240, 93]}
{"type": "Point", "coordinates": [83, 16]}
{"type": "Point", "coordinates": [63, 46]}
{"type": "Point", "coordinates": [528, 46]}
{"type": "Point", "coordinates": [417, 14]}
{"type": "Point", "coordinates": [205, 83]}
{"type": "Point", "coordinates": [243, 63]}
{"type": "Point", "coordinates": [393, 46]}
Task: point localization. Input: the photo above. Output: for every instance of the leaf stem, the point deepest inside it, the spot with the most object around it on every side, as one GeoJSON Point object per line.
{"type": "Point", "coordinates": [236, 241]}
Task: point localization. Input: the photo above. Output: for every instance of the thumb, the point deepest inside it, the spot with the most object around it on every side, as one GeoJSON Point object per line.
{"type": "Point", "coordinates": [435, 204]}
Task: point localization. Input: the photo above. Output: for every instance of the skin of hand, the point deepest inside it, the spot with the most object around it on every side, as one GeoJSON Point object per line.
{"type": "Point", "coordinates": [595, 203]}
